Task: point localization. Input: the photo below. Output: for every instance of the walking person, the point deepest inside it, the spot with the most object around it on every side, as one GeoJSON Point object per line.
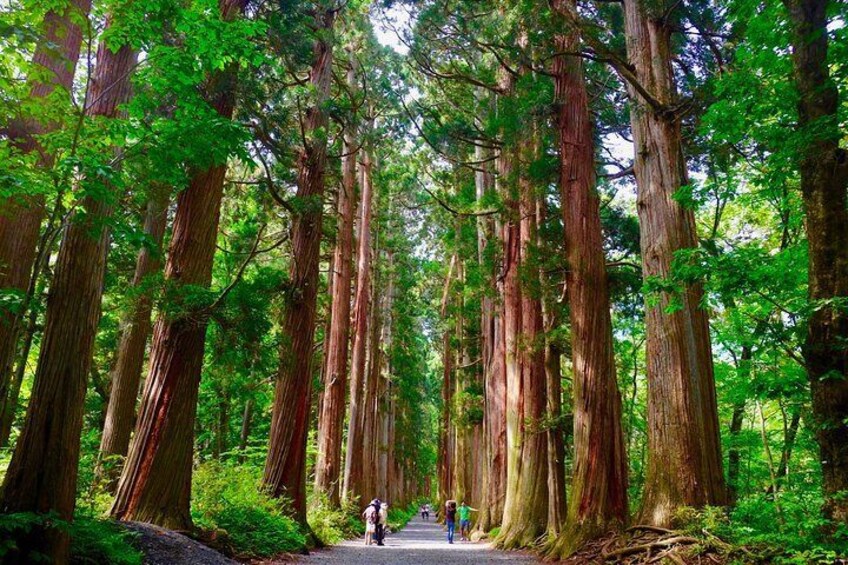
{"type": "Point", "coordinates": [450, 518]}
{"type": "Point", "coordinates": [371, 515]}
{"type": "Point", "coordinates": [465, 520]}
{"type": "Point", "coordinates": [425, 512]}
{"type": "Point", "coordinates": [382, 521]}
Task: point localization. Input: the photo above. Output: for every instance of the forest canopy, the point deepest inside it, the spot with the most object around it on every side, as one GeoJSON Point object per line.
{"type": "Point", "coordinates": [583, 264]}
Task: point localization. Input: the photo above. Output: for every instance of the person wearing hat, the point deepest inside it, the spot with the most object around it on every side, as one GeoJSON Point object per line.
{"type": "Point", "coordinates": [371, 517]}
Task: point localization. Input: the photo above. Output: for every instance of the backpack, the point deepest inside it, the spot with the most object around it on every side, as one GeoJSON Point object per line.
{"type": "Point", "coordinates": [373, 516]}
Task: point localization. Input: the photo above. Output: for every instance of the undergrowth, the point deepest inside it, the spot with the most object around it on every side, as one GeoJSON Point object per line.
{"type": "Point", "coordinates": [245, 522]}
{"type": "Point", "coordinates": [93, 540]}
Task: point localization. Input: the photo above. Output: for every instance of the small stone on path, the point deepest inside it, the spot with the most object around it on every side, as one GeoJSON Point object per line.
{"type": "Point", "coordinates": [419, 542]}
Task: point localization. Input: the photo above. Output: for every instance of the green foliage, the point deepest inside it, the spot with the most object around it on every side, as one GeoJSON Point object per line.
{"type": "Point", "coordinates": [785, 529]}
{"type": "Point", "coordinates": [93, 540]}
{"type": "Point", "coordinates": [333, 525]}
{"type": "Point", "coordinates": [228, 498]}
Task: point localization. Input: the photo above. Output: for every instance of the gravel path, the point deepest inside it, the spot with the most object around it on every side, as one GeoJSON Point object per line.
{"type": "Point", "coordinates": [419, 542]}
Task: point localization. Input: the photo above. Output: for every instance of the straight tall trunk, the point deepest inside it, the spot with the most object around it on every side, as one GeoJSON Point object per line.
{"type": "Point", "coordinates": [353, 471]}
{"type": "Point", "coordinates": [533, 476]}
{"type": "Point", "coordinates": [445, 455]}
{"type": "Point", "coordinates": [598, 497]}
{"type": "Point", "coordinates": [42, 475]}
{"type": "Point", "coordinates": [328, 469]}
{"type": "Point", "coordinates": [684, 462]}
{"type": "Point", "coordinates": [285, 467]}
{"type": "Point", "coordinates": [823, 165]}
{"type": "Point", "coordinates": [372, 377]}
{"type": "Point", "coordinates": [514, 505]}
{"type": "Point", "coordinates": [126, 375]}
{"type": "Point", "coordinates": [20, 216]}
{"type": "Point", "coordinates": [155, 484]}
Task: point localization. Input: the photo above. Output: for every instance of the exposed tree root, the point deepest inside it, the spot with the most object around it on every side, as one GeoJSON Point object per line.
{"type": "Point", "coordinates": [644, 545]}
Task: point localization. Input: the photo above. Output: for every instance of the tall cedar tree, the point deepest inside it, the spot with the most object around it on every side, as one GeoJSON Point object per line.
{"type": "Point", "coordinates": [599, 480]}
{"type": "Point", "coordinates": [328, 469]}
{"type": "Point", "coordinates": [42, 476]}
{"type": "Point", "coordinates": [824, 179]}
{"type": "Point", "coordinates": [126, 375]}
{"type": "Point", "coordinates": [684, 454]}
{"type": "Point", "coordinates": [353, 470]}
{"type": "Point", "coordinates": [285, 466]}
{"type": "Point", "coordinates": [155, 484]}
{"type": "Point", "coordinates": [55, 61]}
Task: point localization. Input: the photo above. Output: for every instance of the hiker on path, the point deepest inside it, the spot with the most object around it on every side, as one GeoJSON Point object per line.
{"type": "Point", "coordinates": [425, 512]}
{"type": "Point", "coordinates": [450, 518]}
{"type": "Point", "coordinates": [382, 521]}
{"type": "Point", "coordinates": [465, 520]}
{"type": "Point", "coordinates": [371, 515]}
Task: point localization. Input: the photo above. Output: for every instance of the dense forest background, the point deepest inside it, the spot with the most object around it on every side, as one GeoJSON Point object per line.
{"type": "Point", "coordinates": [584, 265]}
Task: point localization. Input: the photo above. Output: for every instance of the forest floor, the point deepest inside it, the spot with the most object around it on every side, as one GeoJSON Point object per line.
{"type": "Point", "coordinates": [419, 542]}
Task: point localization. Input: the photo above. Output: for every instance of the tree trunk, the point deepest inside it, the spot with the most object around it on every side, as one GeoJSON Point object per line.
{"type": "Point", "coordinates": [328, 471]}
{"type": "Point", "coordinates": [42, 475]}
{"type": "Point", "coordinates": [20, 217]}
{"type": "Point", "coordinates": [353, 477]}
{"type": "Point", "coordinates": [553, 394]}
{"type": "Point", "coordinates": [684, 463]}
{"type": "Point", "coordinates": [46, 246]}
{"type": "Point", "coordinates": [246, 422]}
{"type": "Point", "coordinates": [823, 165]}
{"type": "Point", "coordinates": [445, 455]}
{"type": "Point", "coordinates": [598, 498]}
{"type": "Point", "coordinates": [734, 456]}
{"type": "Point", "coordinates": [285, 468]}
{"type": "Point", "coordinates": [126, 375]}
{"type": "Point", "coordinates": [155, 484]}
{"type": "Point", "coordinates": [372, 377]}
{"type": "Point", "coordinates": [533, 477]}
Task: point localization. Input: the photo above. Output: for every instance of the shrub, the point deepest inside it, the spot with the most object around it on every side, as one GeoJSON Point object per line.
{"type": "Point", "coordinates": [230, 498]}
{"type": "Point", "coordinates": [93, 540]}
{"type": "Point", "coordinates": [332, 525]}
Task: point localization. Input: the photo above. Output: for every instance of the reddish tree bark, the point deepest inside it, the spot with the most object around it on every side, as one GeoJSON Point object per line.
{"type": "Point", "coordinates": [599, 481]}
{"type": "Point", "coordinates": [823, 165]}
{"type": "Point", "coordinates": [155, 484]}
{"type": "Point", "coordinates": [353, 471]}
{"type": "Point", "coordinates": [446, 452]}
{"type": "Point", "coordinates": [20, 217]}
{"type": "Point", "coordinates": [527, 517]}
{"type": "Point", "coordinates": [684, 463]}
{"type": "Point", "coordinates": [328, 470]}
{"type": "Point", "coordinates": [42, 475]}
{"type": "Point", "coordinates": [285, 467]}
{"type": "Point", "coordinates": [126, 375]}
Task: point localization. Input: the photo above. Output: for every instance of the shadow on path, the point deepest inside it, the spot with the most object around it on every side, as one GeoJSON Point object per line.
{"type": "Point", "coordinates": [419, 542]}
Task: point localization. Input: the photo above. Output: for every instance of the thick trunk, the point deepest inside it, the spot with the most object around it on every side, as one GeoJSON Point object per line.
{"type": "Point", "coordinates": [42, 475]}
{"type": "Point", "coordinates": [526, 504]}
{"type": "Point", "coordinates": [598, 497]}
{"type": "Point", "coordinates": [513, 505]}
{"type": "Point", "coordinates": [533, 477]}
{"type": "Point", "coordinates": [684, 463]}
{"type": "Point", "coordinates": [823, 165]}
{"type": "Point", "coordinates": [155, 484]}
{"type": "Point", "coordinates": [328, 471]}
{"type": "Point", "coordinates": [285, 468]}
{"type": "Point", "coordinates": [20, 217]}
{"type": "Point", "coordinates": [353, 472]}
{"type": "Point", "coordinates": [126, 375]}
